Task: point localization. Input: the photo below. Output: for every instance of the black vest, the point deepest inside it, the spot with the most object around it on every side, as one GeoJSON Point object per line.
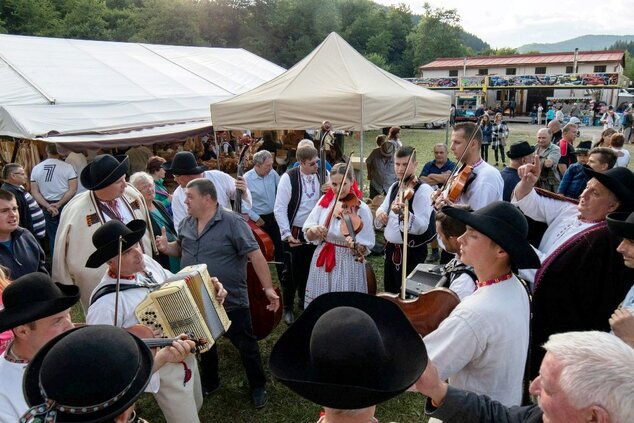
{"type": "Point", "coordinates": [294, 175]}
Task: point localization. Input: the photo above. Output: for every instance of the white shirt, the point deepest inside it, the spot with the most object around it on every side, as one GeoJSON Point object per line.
{"type": "Point", "coordinates": [311, 191]}
{"type": "Point", "coordinates": [102, 311]}
{"type": "Point", "coordinates": [52, 176]}
{"type": "Point", "coordinates": [225, 190]}
{"type": "Point", "coordinates": [482, 345]}
{"type": "Point", "coordinates": [563, 223]}
{"type": "Point", "coordinates": [486, 188]}
{"type": "Point", "coordinates": [12, 402]}
{"type": "Point", "coordinates": [418, 217]}
{"type": "Point", "coordinates": [622, 156]}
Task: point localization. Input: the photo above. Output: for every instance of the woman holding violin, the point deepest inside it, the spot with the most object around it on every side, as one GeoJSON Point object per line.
{"type": "Point", "coordinates": [421, 227]}
{"type": "Point", "coordinates": [342, 226]}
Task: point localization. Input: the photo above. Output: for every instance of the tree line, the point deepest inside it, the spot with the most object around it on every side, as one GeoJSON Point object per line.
{"type": "Point", "coordinates": [282, 31]}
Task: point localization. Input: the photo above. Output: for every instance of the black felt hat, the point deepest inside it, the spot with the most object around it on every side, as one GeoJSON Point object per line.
{"type": "Point", "coordinates": [520, 149]}
{"type": "Point", "coordinates": [106, 240]}
{"type": "Point", "coordinates": [621, 224]}
{"type": "Point", "coordinates": [583, 147]}
{"type": "Point", "coordinates": [32, 297]}
{"type": "Point", "coordinates": [184, 163]}
{"type": "Point", "coordinates": [620, 181]}
{"type": "Point", "coordinates": [103, 171]}
{"type": "Point", "coordinates": [349, 350]}
{"type": "Point", "coordinates": [88, 374]}
{"type": "Point", "coordinates": [506, 226]}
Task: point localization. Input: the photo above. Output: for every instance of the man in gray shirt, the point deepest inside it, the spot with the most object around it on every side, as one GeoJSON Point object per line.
{"type": "Point", "coordinates": [223, 241]}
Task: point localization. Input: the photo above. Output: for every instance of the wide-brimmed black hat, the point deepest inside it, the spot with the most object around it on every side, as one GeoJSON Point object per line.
{"type": "Point", "coordinates": [620, 181]}
{"type": "Point", "coordinates": [103, 171]}
{"type": "Point", "coordinates": [34, 296]}
{"type": "Point", "coordinates": [106, 240]}
{"type": "Point", "coordinates": [184, 163]}
{"type": "Point", "coordinates": [520, 149]}
{"type": "Point", "coordinates": [621, 224]}
{"type": "Point", "coordinates": [88, 374]}
{"type": "Point", "coordinates": [506, 226]}
{"type": "Point", "coordinates": [349, 350]}
{"type": "Point", "coordinates": [583, 147]}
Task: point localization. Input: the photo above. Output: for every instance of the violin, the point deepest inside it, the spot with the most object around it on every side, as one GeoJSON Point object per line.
{"type": "Point", "coordinates": [351, 223]}
{"type": "Point", "coordinates": [459, 183]}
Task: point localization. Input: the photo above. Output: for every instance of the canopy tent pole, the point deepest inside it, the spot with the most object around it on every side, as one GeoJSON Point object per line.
{"type": "Point", "coordinates": [48, 98]}
{"type": "Point", "coordinates": [361, 161]}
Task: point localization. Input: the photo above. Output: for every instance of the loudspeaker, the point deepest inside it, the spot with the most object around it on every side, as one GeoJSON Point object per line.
{"type": "Point", "coordinates": [423, 278]}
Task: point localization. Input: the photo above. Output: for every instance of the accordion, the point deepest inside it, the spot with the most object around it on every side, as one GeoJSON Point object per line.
{"type": "Point", "coordinates": [186, 303]}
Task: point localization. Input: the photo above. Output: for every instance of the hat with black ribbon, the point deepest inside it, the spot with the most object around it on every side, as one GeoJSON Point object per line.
{"type": "Point", "coordinates": [32, 297]}
{"type": "Point", "coordinates": [620, 181]}
{"type": "Point", "coordinates": [106, 240]}
{"type": "Point", "coordinates": [184, 163]}
{"type": "Point", "coordinates": [88, 374]}
{"type": "Point", "coordinates": [505, 225]}
{"type": "Point", "coordinates": [349, 350]}
{"type": "Point", "coordinates": [621, 224]}
{"type": "Point", "coordinates": [520, 149]}
{"type": "Point", "coordinates": [103, 171]}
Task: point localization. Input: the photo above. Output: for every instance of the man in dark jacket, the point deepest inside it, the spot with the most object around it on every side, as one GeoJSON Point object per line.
{"type": "Point", "coordinates": [568, 373]}
{"type": "Point", "coordinates": [31, 215]}
{"type": "Point", "coordinates": [19, 250]}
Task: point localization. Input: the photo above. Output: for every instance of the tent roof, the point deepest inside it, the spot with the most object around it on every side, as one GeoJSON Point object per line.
{"type": "Point", "coordinates": [78, 90]}
{"type": "Point", "coordinates": [333, 82]}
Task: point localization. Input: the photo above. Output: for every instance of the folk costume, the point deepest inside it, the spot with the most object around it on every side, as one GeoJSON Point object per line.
{"type": "Point", "coordinates": [179, 393]}
{"type": "Point", "coordinates": [421, 231]}
{"type": "Point", "coordinates": [333, 267]}
{"type": "Point", "coordinates": [582, 278]}
{"type": "Point", "coordinates": [84, 214]}
{"type": "Point", "coordinates": [486, 187]}
{"type": "Point", "coordinates": [482, 345]}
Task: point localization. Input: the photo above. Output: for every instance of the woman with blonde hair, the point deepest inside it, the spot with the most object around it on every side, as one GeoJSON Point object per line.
{"type": "Point", "coordinates": [604, 140]}
{"type": "Point", "coordinates": [500, 134]}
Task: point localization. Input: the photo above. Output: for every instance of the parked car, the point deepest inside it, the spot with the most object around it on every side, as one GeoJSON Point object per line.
{"type": "Point", "coordinates": [430, 125]}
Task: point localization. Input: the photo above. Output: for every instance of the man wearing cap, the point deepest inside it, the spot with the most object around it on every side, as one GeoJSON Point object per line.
{"type": "Point", "coordinates": [622, 320]}
{"type": "Point", "coordinates": [582, 277]}
{"type": "Point", "coordinates": [37, 310]}
{"type": "Point", "coordinates": [482, 345]}
{"type": "Point", "coordinates": [179, 395]}
{"type": "Point", "coordinates": [584, 377]}
{"type": "Point", "coordinates": [520, 152]}
{"type": "Point", "coordinates": [185, 168]}
{"type": "Point", "coordinates": [109, 197]}
{"type": "Point", "coordinates": [349, 352]}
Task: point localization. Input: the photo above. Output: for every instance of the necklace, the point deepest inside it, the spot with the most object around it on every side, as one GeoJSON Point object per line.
{"type": "Point", "coordinates": [13, 358]}
{"type": "Point", "coordinates": [311, 180]}
{"type": "Point", "coordinates": [495, 280]}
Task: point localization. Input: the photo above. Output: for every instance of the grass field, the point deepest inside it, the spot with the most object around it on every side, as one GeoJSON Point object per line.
{"type": "Point", "coordinates": [231, 403]}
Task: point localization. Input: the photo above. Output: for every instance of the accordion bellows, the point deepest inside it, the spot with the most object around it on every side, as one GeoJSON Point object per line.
{"type": "Point", "coordinates": [186, 303]}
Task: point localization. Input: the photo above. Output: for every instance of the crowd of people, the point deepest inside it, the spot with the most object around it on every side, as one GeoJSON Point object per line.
{"type": "Point", "coordinates": [539, 252]}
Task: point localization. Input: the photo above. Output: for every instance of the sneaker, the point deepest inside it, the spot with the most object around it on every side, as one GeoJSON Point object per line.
{"type": "Point", "coordinates": [288, 317]}
{"type": "Point", "coordinates": [259, 397]}
{"type": "Point", "coordinates": [209, 390]}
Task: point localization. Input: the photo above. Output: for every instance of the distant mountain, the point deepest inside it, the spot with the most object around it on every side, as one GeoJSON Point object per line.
{"type": "Point", "coordinates": [472, 41]}
{"type": "Point", "coordinates": [585, 42]}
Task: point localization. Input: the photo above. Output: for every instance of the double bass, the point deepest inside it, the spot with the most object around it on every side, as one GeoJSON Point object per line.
{"type": "Point", "coordinates": [262, 319]}
{"type": "Point", "coordinates": [428, 310]}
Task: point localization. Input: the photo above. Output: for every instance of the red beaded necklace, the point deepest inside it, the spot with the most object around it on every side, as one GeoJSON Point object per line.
{"type": "Point", "coordinates": [113, 275]}
{"type": "Point", "coordinates": [495, 280]}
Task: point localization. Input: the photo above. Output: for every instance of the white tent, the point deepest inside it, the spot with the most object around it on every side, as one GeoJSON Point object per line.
{"type": "Point", "coordinates": [333, 82]}
{"type": "Point", "coordinates": [85, 92]}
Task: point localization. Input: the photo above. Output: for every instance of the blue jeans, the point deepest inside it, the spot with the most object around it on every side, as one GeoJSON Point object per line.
{"type": "Point", "coordinates": [51, 224]}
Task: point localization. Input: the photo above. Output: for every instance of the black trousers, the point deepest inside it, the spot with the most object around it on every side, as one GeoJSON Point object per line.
{"type": "Point", "coordinates": [499, 149]}
{"type": "Point", "coordinates": [392, 275]}
{"type": "Point", "coordinates": [271, 228]}
{"type": "Point", "coordinates": [297, 266]}
{"type": "Point", "coordinates": [240, 334]}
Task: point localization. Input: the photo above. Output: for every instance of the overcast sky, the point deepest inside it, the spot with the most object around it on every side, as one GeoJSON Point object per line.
{"type": "Point", "coordinates": [512, 23]}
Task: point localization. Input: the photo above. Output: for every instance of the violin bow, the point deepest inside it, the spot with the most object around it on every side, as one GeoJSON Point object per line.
{"type": "Point", "coordinates": [456, 168]}
{"type": "Point", "coordinates": [405, 205]}
{"type": "Point", "coordinates": [118, 285]}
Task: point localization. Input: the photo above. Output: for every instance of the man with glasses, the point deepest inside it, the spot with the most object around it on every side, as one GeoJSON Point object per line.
{"type": "Point", "coordinates": [297, 194]}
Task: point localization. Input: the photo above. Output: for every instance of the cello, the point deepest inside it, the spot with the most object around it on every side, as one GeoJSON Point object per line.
{"type": "Point", "coordinates": [428, 310]}
{"type": "Point", "coordinates": [262, 319]}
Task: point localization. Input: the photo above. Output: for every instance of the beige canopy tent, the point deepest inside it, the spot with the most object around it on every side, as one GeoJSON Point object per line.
{"type": "Point", "coordinates": [334, 82]}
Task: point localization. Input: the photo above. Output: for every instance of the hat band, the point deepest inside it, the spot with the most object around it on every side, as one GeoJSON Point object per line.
{"type": "Point", "coordinates": [47, 411]}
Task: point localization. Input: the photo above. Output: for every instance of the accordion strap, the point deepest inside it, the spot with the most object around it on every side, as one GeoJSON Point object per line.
{"type": "Point", "coordinates": [111, 289]}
